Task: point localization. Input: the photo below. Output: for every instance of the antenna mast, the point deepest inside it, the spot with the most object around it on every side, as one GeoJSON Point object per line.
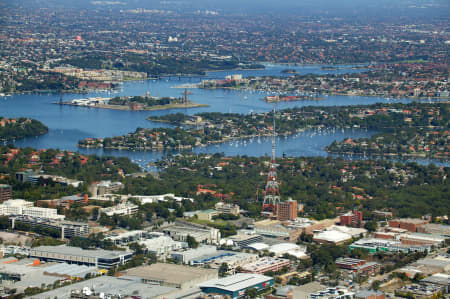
{"type": "Point", "coordinates": [272, 191]}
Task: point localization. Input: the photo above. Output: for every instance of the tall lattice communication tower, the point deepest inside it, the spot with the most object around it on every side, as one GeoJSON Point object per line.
{"type": "Point", "coordinates": [272, 191]}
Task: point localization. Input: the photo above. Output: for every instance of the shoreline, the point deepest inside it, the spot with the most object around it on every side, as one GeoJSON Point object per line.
{"type": "Point", "coordinates": [332, 94]}
{"type": "Point", "coordinates": [127, 108]}
{"type": "Point", "coordinates": [213, 142]}
{"type": "Point", "coordinates": [387, 155]}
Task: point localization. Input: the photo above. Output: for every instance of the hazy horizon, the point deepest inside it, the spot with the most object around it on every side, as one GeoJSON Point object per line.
{"type": "Point", "coordinates": [380, 8]}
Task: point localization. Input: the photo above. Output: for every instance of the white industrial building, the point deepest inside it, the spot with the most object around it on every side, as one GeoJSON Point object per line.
{"type": "Point", "coordinates": [104, 259]}
{"type": "Point", "coordinates": [288, 248]}
{"type": "Point", "coordinates": [126, 237]}
{"type": "Point", "coordinates": [352, 231]}
{"type": "Point", "coordinates": [187, 256]}
{"type": "Point", "coordinates": [121, 210]}
{"type": "Point", "coordinates": [20, 207]}
{"type": "Point", "coordinates": [104, 187]}
{"type": "Point", "coordinates": [159, 198]}
{"type": "Point", "coordinates": [143, 199]}
{"type": "Point", "coordinates": [162, 246]}
{"type": "Point", "coordinates": [234, 261]}
{"type": "Point", "coordinates": [180, 232]}
{"type": "Point", "coordinates": [17, 203]}
{"type": "Point", "coordinates": [339, 234]}
{"type": "Point", "coordinates": [227, 208]}
{"type": "Point", "coordinates": [332, 237]}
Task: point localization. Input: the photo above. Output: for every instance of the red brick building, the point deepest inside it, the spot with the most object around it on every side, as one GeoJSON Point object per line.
{"type": "Point", "coordinates": [353, 219]}
{"type": "Point", "coordinates": [287, 210]}
{"type": "Point", "coordinates": [385, 235]}
{"type": "Point", "coordinates": [349, 263]}
{"type": "Point", "coordinates": [410, 224]}
{"type": "Point", "coordinates": [5, 192]}
{"type": "Point", "coordinates": [360, 267]}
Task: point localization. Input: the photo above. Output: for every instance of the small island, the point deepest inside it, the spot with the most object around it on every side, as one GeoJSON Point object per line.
{"type": "Point", "coordinates": [18, 128]}
{"type": "Point", "coordinates": [136, 103]}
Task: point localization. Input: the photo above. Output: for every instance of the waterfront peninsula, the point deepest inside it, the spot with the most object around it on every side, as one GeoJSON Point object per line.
{"type": "Point", "coordinates": [419, 80]}
{"type": "Point", "coordinates": [207, 128]}
{"type": "Point", "coordinates": [135, 103]}
{"type": "Point", "coordinates": [18, 128]}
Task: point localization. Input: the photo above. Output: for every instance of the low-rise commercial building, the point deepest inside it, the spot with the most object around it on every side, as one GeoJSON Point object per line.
{"type": "Point", "coordinates": [20, 207]}
{"type": "Point", "coordinates": [440, 230]}
{"type": "Point", "coordinates": [349, 263]}
{"type": "Point", "coordinates": [332, 237]}
{"type": "Point", "coordinates": [439, 264]}
{"type": "Point", "coordinates": [304, 291]}
{"type": "Point", "coordinates": [370, 294]}
{"type": "Point", "coordinates": [13, 205]}
{"type": "Point", "coordinates": [421, 239]}
{"type": "Point", "coordinates": [274, 229]}
{"type": "Point", "coordinates": [110, 287]}
{"type": "Point", "coordinates": [227, 208]}
{"type": "Point", "coordinates": [373, 245]}
{"type": "Point", "coordinates": [203, 257]}
{"type": "Point", "coordinates": [68, 229]}
{"type": "Point", "coordinates": [157, 198]}
{"type": "Point", "coordinates": [73, 255]}
{"type": "Point", "coordinates": [26, 176]}
{"type": "Point", "coordinates": [161, 246]}
{"type": "Point", "coordinates": [71, 229]}
{"type": "Point", "coordinates": [410, 224]}
{"type": "Point", "coordinates": [125, 237]}
{"type": "Point", "coordinates": [333, 293]}
{"type": "Point", "coordinates": [180, 231]}
{"type": "Point", "coordinates": [233, 260]}
{"type": "Point", "coordinates": [125, 209]}
{"type": "Point", "coordinates": [13, 270]}
{"type": "Point", "coordinates": [59, 179]}
{"type": "Point", "coordinates": [286, 292]}
{"type": "Point", "coordinates": [105, 187]}
{"type": "Point", "coordinates": [65, 201]}
{"type": "Point", "coordinates": [418, 291]}
{"type": "Point", "coordinates": [288, 248]}
{"type": "Point", "coordinates": [357, 266]}
{"type": "Point", "coordinates": [207, 214]}
{"type": "Point", "coordinates": [194, 256]}
{"type": "Point", "coordinates": [440, 280]}
{"type": "Point", "coordinates": [412, 238]}
{"type": "Point", "coordinates": [235, 286]}
{"type": "Point", "coordinates": [266, 264]}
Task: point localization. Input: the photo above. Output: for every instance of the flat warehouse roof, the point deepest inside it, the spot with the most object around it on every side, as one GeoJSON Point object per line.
{"type": "Point", "coordinates": [110, 285]}
{"type": "Point", "coordinates": [170, 273]}
{"type": "Point", "coordinates": [96, 253]}
{"type": "Point", "coordinates": [236, 282]}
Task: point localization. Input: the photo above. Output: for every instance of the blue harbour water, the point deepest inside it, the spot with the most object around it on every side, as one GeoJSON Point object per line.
{"type": "Point", "coordinates": [69, 124]}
